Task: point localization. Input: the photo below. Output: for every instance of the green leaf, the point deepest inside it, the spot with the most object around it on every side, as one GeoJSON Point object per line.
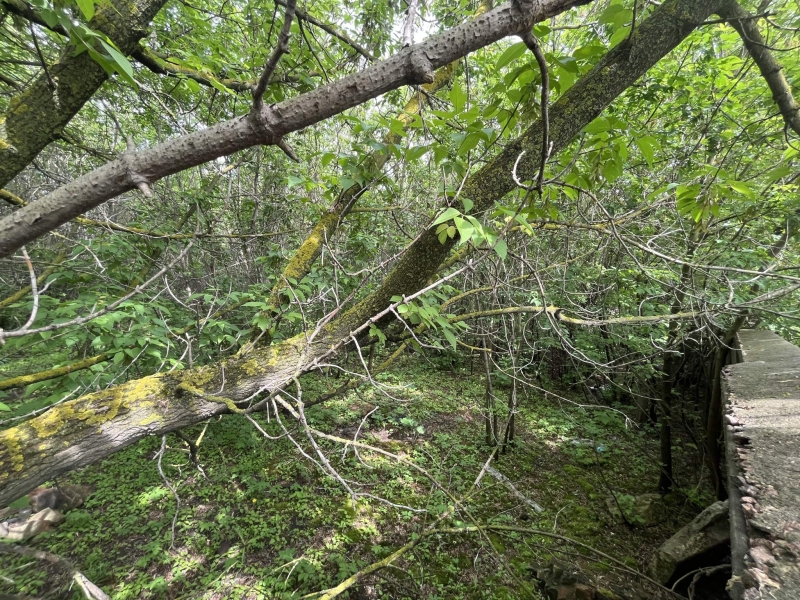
{"type": "Point", "coordinates": [512, 52]}
{"type": "Point", "coordinates": [192, 85]}
{"type": "Point", "coordinates": [588, 51]}
{"type": "Point", "coordinates": [777, 173]}
{"type": "Point", "coordinates": [100, 59]}
{"type": "Point", "coordinates": [647, 145]}
{"type": "Point", "coordinates": [450, 337]}
{"type": "Point", "coordinates": [292, 181]}
{"type": "Point", "coordinates": [5, 407]}
{"type": "Point", "coordinates": [619, 35]}
{"type": "Point", "coordinates": [599, 125]}
{"type": "Point", "coordinates": [468, 204]}
{"type": "Point", "coordinates": [446, 216]}
{"type": "Point", "coordinates": [615, 15]}
{"type": "Point", "coordinates": [87, 8]}
{"type": "Point", "coordinates": [472, 140]}
{"type": "Point", "coordinates": [377, 333]}
{"type": "Point", "coordinates": [218, 86]}
{"type": "Point", "coordinates": [416, 152]}
{"type": "Point", "coordinates": [465, 229]}
{"type": "Point", "coordinates": [743, 188]}
{"type": "Point", "coordinates": [122, 65]}
{"type": "Point", "coordinates": [458, 97]}
{"type": "Point", "coordinates": [262, 322]}
{"type": "Point", "coordinates": [501, 248]}
{"type": "Point", "coordinates": [686, 204]}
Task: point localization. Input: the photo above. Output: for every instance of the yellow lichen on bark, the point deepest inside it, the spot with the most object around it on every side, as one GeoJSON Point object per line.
{"type": "Point", "coordinates": [51, 421]}
{"type": "Point", "coordinates": [97, 408]}
{"type": "Point", "coordinates": [150, 419]}
{"type": "Point", "coordinates": [10, 439]}
{"type": "Point", "coordinates": [199, 376]}
{"type": "Point", "coordinates": [298, 265]}
{"type": "Point", "coordinates": [252, 367]}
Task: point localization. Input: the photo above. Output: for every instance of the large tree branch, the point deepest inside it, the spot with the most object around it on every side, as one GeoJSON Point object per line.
{"type": "Point", "coordinates": [82, 431]}
{"type": "Point", "coordinates": [413, 65]}
{"type": "Point", "coordinates": [771, 69]}
{"type": "Point", "coordinates": [36, 116]}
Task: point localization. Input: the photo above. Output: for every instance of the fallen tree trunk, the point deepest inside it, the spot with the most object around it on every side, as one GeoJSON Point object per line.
{"type": "Point", "coordinates": [85, 430]}
{"type": "Point", "coordinates": [82, 431]}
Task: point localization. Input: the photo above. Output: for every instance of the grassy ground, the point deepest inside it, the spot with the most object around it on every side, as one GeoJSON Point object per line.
{"type": "Point", "coordinates": [264, 522]}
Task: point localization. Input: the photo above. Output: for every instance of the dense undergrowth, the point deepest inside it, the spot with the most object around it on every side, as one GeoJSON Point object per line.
{"type": "Point", "coordinates": [264, 522]}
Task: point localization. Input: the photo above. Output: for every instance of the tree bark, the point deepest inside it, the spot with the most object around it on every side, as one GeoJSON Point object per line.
{"type": "Point", "coordinates": [37, 116]}
{"type": "Point", "coordinates": [85, 430]}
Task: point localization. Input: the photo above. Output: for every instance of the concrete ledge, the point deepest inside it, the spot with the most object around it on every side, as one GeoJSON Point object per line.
{"type": "Point", "coordinates": [762, 435]}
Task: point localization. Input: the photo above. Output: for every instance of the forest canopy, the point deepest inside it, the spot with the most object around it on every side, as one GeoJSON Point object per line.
{"type": "Point", "coordinates": [204, 204]}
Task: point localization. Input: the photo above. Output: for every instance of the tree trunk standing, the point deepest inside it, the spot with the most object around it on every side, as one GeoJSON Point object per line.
{"type": "Point", "coordinates": [508, 437]}
{"type": "Point", "coordinates": [516, 331]}
{"type": "Point", "coordinates": [82, 431]}
{"type": "Point", "coordinates": [37, 116]}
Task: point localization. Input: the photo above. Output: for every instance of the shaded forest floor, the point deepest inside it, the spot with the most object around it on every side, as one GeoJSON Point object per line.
{"type": "Point", "coordinates": [264, 522]}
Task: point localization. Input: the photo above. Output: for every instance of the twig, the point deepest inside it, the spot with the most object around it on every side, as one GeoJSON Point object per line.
{"type": "Point", "coordinates": [160, 455]}
{"type": "Point", "coordinates": [408, 27]}
{"type": "Point", "coordinates": [34, 290]}
{"type": "Point", "coordinates": [506, 482]}
{"type": "Point", "coordinates": [280, 49]}
{"type": "Point", "coordinates": [50, 81]}
{"type": "Point", "coordinates": [533, 45]}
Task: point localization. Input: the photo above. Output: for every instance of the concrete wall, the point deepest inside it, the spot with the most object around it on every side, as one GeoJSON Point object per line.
{"type": "Point", "coordinates": [762, 453]}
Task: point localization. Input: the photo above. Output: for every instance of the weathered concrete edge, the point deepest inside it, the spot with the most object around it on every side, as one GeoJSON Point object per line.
{"type": "Point", "coordinates": [740, 541]}
{"type": "Point", "coordinates": [751, 576]}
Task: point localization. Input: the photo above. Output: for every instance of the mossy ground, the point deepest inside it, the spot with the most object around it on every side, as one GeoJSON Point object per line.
{"type": "Point", "coordinates": [265, 522]}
